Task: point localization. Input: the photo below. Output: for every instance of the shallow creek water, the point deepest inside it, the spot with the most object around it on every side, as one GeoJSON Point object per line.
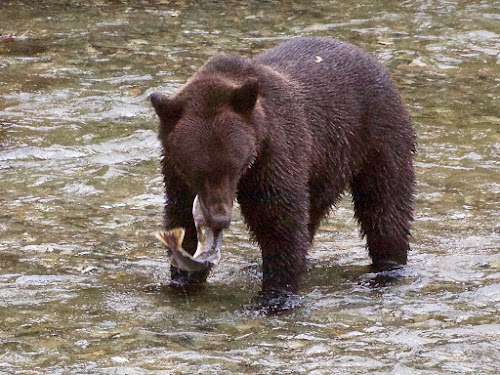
{"type": "Point", "coordinates": [81, 196]}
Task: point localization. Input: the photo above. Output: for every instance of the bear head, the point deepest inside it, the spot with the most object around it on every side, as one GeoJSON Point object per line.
{"type": "Point", "coordinates": [209, 136]}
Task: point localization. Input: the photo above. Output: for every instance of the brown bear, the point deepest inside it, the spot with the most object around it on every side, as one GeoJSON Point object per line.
{"type": "Point", "coordinates": [286, 133]}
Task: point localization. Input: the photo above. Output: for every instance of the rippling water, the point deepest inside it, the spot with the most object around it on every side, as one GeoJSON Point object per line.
{"type": "Point", "coordinates": [81, 195]}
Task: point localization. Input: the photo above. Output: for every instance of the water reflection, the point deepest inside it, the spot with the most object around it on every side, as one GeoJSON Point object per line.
{"type": "Point", "coordinates": [81, 275]}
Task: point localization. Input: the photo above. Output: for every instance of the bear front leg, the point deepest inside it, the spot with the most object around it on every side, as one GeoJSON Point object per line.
{"type": "Point", "coordinates": [283, 262]}
{"type": "Point", "coordinates": [280, 227]}
{"type": "Point", "coordinates": [178, 213]}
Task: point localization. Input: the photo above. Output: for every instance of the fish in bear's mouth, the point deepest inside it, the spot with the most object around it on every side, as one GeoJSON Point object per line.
{"type": "Point", "coordinates": [208, 251]}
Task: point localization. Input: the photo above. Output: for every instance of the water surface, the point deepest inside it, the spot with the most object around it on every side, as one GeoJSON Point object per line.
{"type": "Point", "coordinates": [81, 195]}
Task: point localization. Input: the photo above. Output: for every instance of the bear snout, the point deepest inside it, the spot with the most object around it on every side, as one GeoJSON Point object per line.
{"type": "Point", "coordinates": [217, 214]}
{"type": "Point", "coordinates": [220, 222]}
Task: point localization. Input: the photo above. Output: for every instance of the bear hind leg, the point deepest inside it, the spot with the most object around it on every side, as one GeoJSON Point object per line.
{"type": "Point", "coordinates": [383, 198]}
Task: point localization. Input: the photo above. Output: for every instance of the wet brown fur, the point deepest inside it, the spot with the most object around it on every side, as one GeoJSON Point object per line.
{"type": "Point", "coordinates": [287, 133]}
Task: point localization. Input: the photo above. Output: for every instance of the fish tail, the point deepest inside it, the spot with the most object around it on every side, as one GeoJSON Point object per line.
{"type": "Point", "coordinates": [172, 238]}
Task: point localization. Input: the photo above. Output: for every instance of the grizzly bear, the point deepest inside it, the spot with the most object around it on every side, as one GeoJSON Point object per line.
{"type": "Point", "coordinates": [286, 133]}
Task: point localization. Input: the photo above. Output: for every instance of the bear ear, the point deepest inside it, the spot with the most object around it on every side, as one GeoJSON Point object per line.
{"type": "Point", "coordinates": [168, 110]}
{"type": "Point", "coordinates": [244, 97]}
